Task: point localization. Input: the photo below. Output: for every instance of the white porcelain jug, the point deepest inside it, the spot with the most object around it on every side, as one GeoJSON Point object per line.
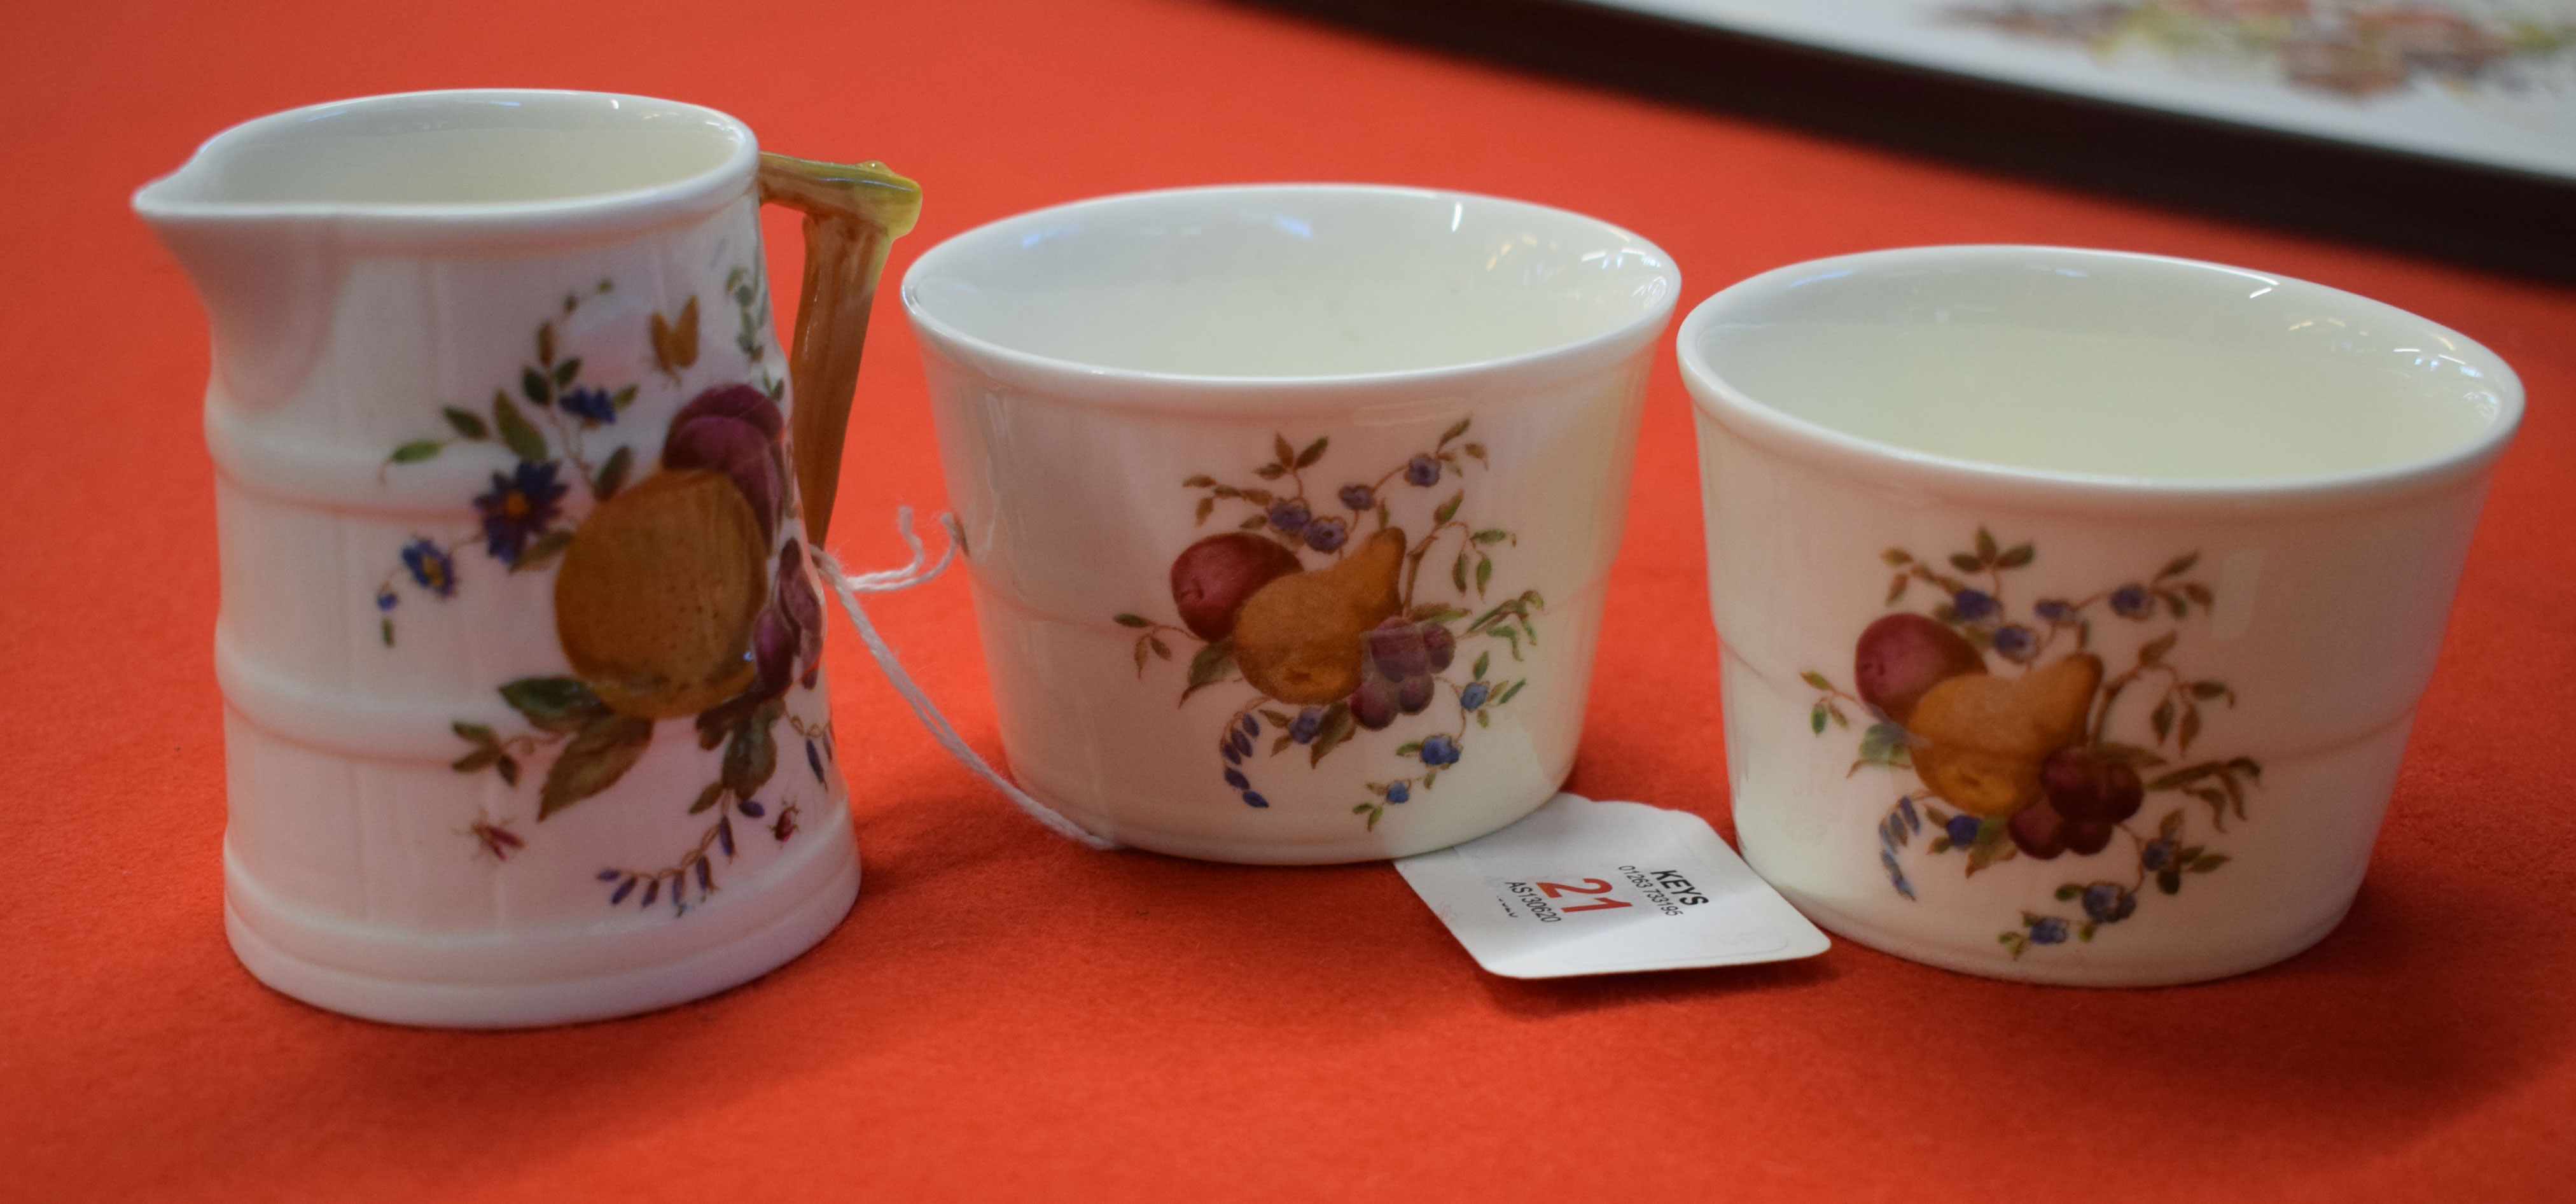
{"type": "Point", "coordinates": [520, 652]}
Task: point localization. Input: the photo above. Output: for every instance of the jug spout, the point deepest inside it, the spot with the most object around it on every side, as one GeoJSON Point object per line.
{"type": "Point", "coordinates": [267, 274]}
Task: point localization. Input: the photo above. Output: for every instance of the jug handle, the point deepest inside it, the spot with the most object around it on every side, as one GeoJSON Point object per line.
{"type": "Point", "coordinates": [853, 213]}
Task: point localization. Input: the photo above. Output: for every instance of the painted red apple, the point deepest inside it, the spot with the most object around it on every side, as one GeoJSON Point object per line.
{"type": "Point", "coordinates": [1901, 657]}
{"type": "Point", "coordinates": [1212, 578]}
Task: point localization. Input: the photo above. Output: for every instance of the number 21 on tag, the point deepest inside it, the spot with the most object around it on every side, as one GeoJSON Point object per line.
{"type": "Point", "coordinates": [1593, 886]}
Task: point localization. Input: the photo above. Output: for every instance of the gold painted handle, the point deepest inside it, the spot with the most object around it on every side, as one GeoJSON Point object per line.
{"type": "Point", "coordinates": [853, 213]}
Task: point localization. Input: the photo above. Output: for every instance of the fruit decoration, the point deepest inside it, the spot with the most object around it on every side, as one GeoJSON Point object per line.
{"type": "Point", "coordinates": [680, 595]}
{"type": "Point", "coordinates": [1348, 643]}
{"type": "Point", "coordinates": [2021, 752]}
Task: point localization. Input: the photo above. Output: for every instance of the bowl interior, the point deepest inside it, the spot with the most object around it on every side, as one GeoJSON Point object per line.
{"type": "Point", "coordinates": [1288, 282]}
{"type": "Point", "coordinates": [2098, 364]}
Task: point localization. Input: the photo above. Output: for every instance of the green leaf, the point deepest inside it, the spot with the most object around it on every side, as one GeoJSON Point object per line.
{"type": "Point", "coordinates": [1408, 748]}
{"type": "Point", "coordinates": [752, 755]}
{"type": "Point", "coordinates": [598, 755]}
{"type": "Point", "coordinates": [2163, 720]}
{"type": "Point", "coordinates": [538, 389]}
{"type": "Point", "coordinates": [474, 761]}
{"type": "Point", "coordinates": [523, 439]}
{"type": "Point", "coordinates": [2084, 931]}
{"type": "Point", "coordinates": [1896, 588]}
{"type": "Point", "coordinates": [466, 422]}
{"type": "Point", "coordinates": [2180, 564]}
{"type": "Point", "coordinates": [546, 339]}
{"type": "Point", "coordinates": [2169, 882]}
{"type": "Point", "coordinates": [1254, 523]}
{"type": "Point", "coordinates": [1337, 727]}
{"type": "Point", "coordinates": [1277, 718]}
{"type": "Point", "coordinates": [543, 552]}
{"type": "Point", "coordinates": [1816, 719]}
{"type": "Point", "coordinates": [1964, 562]}
{"type": "Point", "coordinates": [1993, 844]}
{"type": "Point", "coordinates": [1280, 448]}
{"type": "Point", "coordinates": [1818, 680]}
{"type": "Point", "coordinates": [707, 797]}
{"type": "Point", "coordinates": [1484, 718]}
{"type": "Point", "coordinates": [1436, 612]}
{"type": "Point", "coordinates": [385, 631]}
{"type": "Point", "coordinates": [1455, 431]}
{"type": "Point", "coordinates": [509, 768]}
{"type": "Point", "coordinates": [2199, 593]}
{"type": "Point", "coordinates": [1896, 558]}
{"type": "Point", "coordinates": [415, 451]}
{"type": "Point", "coordinates": [1429, 777]}
{"type": "Point", "coordinates": [1886, 744]}
{"type": "Point", "coordinates": [2190, 729]}
{"type": "Point", "coordinates": [2068, 891]}
{"type": "Point", "coordinates": [565, 371]}
{"type": "Point", "coordinates": [554, 704]}
{"type": "Point", "coordinates": [1506, 695]}
{"type": "Point", "coordinates": [2018, 556]}
{"type": "Point", "coordinates": [1477, 450]}
{"type": "Point", "coordinates": [2153, 652]}
{"type": "Point", "coordinates": [476, 734]}
{"type": "Point", "coordinates": [1484, 574]}
{"type": "Point", "coordinates": [1207, 505]}
{"type": "Point", "coordinates": [1200, 481]}
{"type": "Point", "coordinates": [1986, 550]}
{"type": "Point", "coordinates": [1458, 573]}
{"type": "Point", "coordinates": [1314, 451]}
{"type": "Point", "coordinates": [1449, 509]}
{"type": "Point", "coordinates": [623, 397]}
{"type": "Point", "coordinates": [1161, 649]}
{"type": "Point", "coordinates": [612, 475]}
{"type": "Point", "coordinates": [1258, 497]}
{"type": "Point", "coordinates": [2171, 825]}
{"type": "Point", "coordinates": [1940, 844]}
{"type": "Point", "coordinates": [1132, 620]}
{"type": "Point", "coordinates": [1483, 661]}
{"type": "Point", "coordinates": [1281, 744]}
{"type": "Point", "coordinates": [1213, 664]}
{"type": "Point", "coordinates": [1492, 535]}
{"type": "Point", "coordinates": [2207, 689]}
{"type": "Point", "coordinates": [2207, 862]}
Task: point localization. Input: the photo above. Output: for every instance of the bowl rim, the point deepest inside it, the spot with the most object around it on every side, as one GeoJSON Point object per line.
{"type": "Point", "coordinates": [1074, 379]}
{"type": "Point", "coordinates": [1719, 400]}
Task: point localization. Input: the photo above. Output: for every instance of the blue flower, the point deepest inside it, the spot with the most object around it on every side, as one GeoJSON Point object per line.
{"type": "Point", "coordinates": [1304, 727]}
{"type": "Point", "coordinates": [1905, 807]}
{"type": "Point", "coordinates": [1474, 695]}
{"type": "Point", "coordinates": [1253, 798]}
{"type": "Point", "coordinates": [1962, 830]}
{"type": "Point", "coordinates": [2053, 610]}
{"type": "Point", "coordinates": [589, 405]}
{"type": "Point", "coordinates": [1973, 604]}
{"type": "Point", "coordinates": [519, 508]}
{"type": "Point", "coordinates": [429, 566]}
{"type": "Point", "coordinates": [1359, 497]}
{"type": "Point", "coordinates": [1290, 515]}
{"type": "Point", "coordinates": [1235, 778]}
{"type": "Point", "coordinates": [1227, 750]}
{"type": "Point", "coordinates": [2047, 930]}
{"type": "Point", "coordinates": [1422, 470]}
{"type": "Point", "coordinates": [385, 599]}
{"type": "Point", "coordinates": [2157, 855]}
{"type": "Point", "coordinates": [1397, 792]}
{"type": "Point", "coordinates": [1327, 534]}
{"type": "Point", "coordinates": [1251, 726]}
{"type": "Point", "coordinates": [1241, 744]}
{"type": "Point", "coordinates": [1440, 750]}
{"type": "Point", "coordinates": [2133, 602]}
{"type": "Point", "coordinates": [2016, 642]}
{"type": "Point", "coordinates": [2106, 903]}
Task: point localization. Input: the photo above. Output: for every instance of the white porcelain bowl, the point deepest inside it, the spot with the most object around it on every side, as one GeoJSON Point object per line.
{"type": "Point", "coordinates": [2076, 604]}
{"type": "Point", "coordinates": [1126, 379]}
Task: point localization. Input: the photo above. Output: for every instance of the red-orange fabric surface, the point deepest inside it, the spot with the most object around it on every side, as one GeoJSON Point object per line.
{"type": "Point", "coordinates": [1007, 1015]}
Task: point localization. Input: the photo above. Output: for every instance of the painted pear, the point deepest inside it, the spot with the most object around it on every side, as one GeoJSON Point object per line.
{"type": "Point", "coordinates": [658, 590]}
{"type": "Point", "coordinates": [1298, 638]}
{"type": "Point", "coordinates": [1981, 739]}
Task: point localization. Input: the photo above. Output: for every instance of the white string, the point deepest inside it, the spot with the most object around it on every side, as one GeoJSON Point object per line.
{"type": "Point", "coordinates": [849, 586]}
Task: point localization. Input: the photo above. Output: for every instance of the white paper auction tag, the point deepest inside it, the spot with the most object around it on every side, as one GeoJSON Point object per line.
{"type": "Point", "coordinates": [1580, 887]}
